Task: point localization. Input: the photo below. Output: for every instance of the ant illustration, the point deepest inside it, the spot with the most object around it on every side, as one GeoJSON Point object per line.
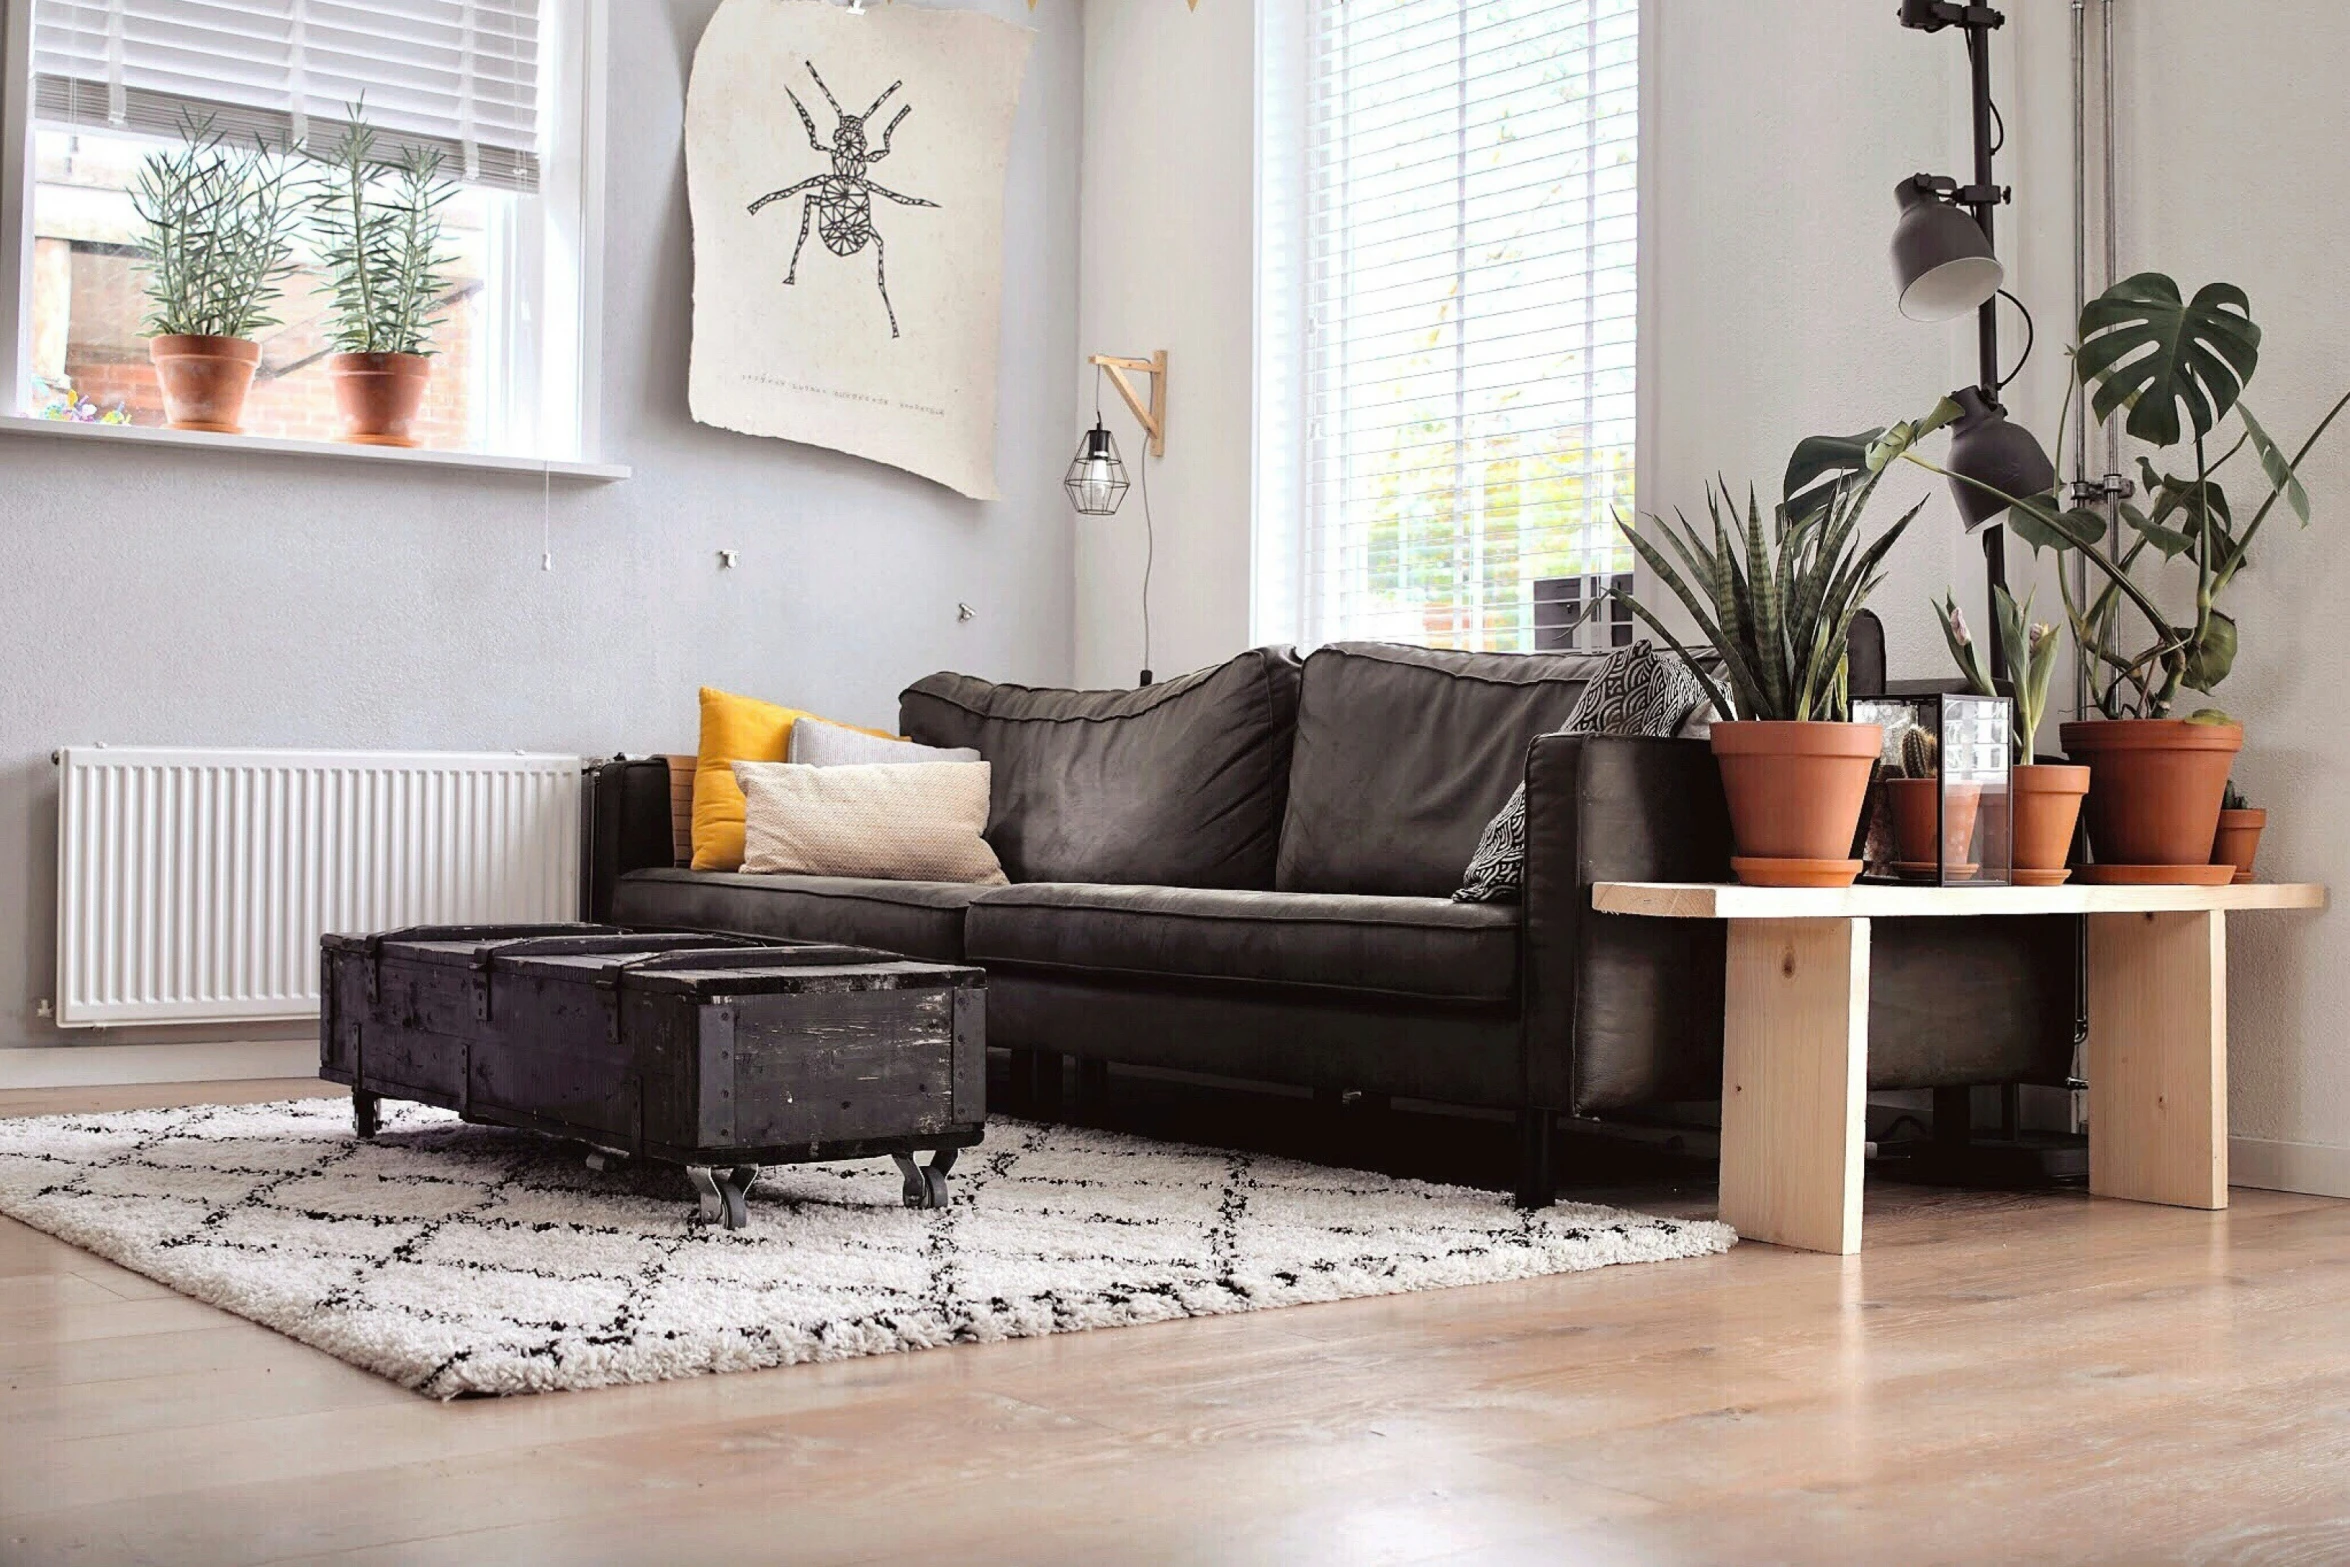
{"type": "Point", "coordinates": [844, 198]}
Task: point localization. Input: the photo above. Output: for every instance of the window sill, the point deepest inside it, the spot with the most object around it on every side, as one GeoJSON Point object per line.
{"type": "Point", "coordinates": [149, 435]}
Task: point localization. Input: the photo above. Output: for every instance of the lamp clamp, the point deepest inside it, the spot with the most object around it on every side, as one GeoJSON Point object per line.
{"type": "Point", "coordinates": [2096, 492]}
{"type": "Point", "coordinates": [1931, 16]}
{"type": "Point", "coordinates": [1950, 190]}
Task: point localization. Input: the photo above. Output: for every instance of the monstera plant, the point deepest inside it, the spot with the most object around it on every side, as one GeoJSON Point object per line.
{"type": "Point", "coordinates": [1776, 599]}
{"type": "Point", "coordinates": [2176, 369]}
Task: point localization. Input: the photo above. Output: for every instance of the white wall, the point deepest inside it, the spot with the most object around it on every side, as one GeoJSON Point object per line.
{"type": "Point", "coordinates": [2232, 119]}
{"type": "Point", "coordinates": [165, 598]}
{"type": "Point", "coordinates": [1777, 134]}
{"type": "Point", "coordinates": [1168, 262]}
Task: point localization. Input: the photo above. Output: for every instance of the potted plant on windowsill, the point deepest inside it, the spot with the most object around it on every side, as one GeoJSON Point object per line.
{"type": "Point", "coordinates": [379, 226]}
{"type": "Point", "coordinates": [217, 249]}
{"type": "Point", "coordinates": [2157, 780]}
{"type": "Point", "coordinates": [1777, 606]}
{"type": "Point", "coordinates": [2046, 795]}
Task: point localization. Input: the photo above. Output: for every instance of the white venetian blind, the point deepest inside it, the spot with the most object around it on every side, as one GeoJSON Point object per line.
{"type": "Point", "coordinates": [458, 75]}
{"type": "Point", "coordinates": [1451, 253]}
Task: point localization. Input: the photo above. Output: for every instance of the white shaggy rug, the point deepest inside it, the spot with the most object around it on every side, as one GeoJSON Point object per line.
{"type": "Point", "coordinates": [460, 1259]}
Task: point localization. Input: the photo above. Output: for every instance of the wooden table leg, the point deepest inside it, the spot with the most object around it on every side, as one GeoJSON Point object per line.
{"type": "Point", "coordinates": [1795, 1035]}
{"type": "Point", "coordinates": [2158, 1057]}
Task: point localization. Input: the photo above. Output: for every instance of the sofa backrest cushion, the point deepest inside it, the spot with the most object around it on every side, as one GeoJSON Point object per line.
{"type": "Point", "coordinates": [1405, 753]}
{"type": "Point", "coordinates": [1178, 784]}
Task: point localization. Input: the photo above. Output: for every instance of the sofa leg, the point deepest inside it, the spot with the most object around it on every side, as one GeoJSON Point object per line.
{"type": "Point", "coordinates": [1093, 1088]}
{"type": "Point", "coordinates": [1044, 1085]}
{"type": "Point", "coordinates": [1537, 1174]}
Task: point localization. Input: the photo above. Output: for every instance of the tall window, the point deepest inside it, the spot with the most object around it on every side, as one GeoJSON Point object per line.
{"type": "Point", "coordinates": [1447, 292]}
{"type": "Point", "coordinates": [496, 87]}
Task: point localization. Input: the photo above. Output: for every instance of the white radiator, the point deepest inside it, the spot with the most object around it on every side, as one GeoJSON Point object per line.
{"type": "Point", "coordinates": [193, 885]}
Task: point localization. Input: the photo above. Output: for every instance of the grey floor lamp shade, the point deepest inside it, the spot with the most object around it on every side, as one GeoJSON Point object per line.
{"type": "Point", "coordinates": [1987, 454]}
{"type": "Point", "coordinates": [1941, 259]}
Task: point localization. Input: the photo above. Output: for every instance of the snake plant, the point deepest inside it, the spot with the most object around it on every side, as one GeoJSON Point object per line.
{"type": "Point", "coordinates": [1777, 599]}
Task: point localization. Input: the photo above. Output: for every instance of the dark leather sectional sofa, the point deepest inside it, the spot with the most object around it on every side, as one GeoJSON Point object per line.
{"type": "Point", "coordinates": [1246, 872]}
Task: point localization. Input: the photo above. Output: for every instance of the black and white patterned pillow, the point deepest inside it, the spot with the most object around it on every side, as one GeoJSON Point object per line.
{"type": "Point", "coordinates": [1636, 692]}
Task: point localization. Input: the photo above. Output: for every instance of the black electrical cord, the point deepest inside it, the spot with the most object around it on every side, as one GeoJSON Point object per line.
{"type": "Point", "coordinates": [2031, 334]}
{"type": "Point", "coordinates": [1150, 550]}
{"type": "Point", "coordinates": [1999, 120]}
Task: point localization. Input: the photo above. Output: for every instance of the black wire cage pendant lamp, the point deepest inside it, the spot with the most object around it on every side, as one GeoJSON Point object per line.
{"type": "Point", "coordinates": [1096, 480]}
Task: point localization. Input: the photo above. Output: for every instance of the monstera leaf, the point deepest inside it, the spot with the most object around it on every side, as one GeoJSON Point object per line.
{"type": "Point", "coordinates": [2210, 657]}
{"type": "Point", "coordinates": [2145, 349]}
{"type": "Point", "coordinates": [1821, 462]}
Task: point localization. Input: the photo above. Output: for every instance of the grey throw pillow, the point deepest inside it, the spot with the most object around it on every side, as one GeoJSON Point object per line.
{"type": "Point", "coordinates": [1636, 692]}
{"type": "Point", "coordinates": [815, 743]}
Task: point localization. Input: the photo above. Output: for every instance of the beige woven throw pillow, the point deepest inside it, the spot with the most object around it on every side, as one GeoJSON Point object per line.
{"type": "Point", "coordinates": [893, 821]}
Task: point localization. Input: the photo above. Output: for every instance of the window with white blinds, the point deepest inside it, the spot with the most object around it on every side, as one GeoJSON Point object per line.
{"type": "Point", "coordinates": [1448, 211]}
{"type": "Point", "coordinates": [458, 75]}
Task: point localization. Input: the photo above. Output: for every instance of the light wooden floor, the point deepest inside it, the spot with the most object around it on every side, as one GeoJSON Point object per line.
{"type": "Point", "coordinates": [1995, 1378]}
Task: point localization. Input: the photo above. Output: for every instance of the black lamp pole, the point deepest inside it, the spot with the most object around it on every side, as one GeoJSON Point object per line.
{"type": "Point", "coordinates": [1985, 201]}
{"type": "Point", "coordinates": [1937, 254]}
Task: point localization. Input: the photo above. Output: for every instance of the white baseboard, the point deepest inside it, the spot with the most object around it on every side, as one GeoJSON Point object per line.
{"type": "Point", "coordinates": [2318, 1169]}
{"type": "Point", "coordinates": [86, 1066]}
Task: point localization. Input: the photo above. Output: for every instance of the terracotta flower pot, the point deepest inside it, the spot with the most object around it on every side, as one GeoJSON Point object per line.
{"type": "Point", "coordinates": [379, 395]}
{"type": "Point", "coordinates": [2238, 839]}
{"type": "Point", "coordinates": [2047, 800]}
{"type": "Point", "coordinates": [1795, 792]}
{"type": "Point", "coordinates": [1915, 806]}
{"type": "Point", "coordinates": [205, 380]}
{"type": "Point", "coordinates": [2155, 786]}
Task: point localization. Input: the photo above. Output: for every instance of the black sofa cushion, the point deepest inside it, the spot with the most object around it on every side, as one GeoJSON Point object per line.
{"type": "Point", "coordinates": [1424, 948]}
{"type": "Point", "coordinates": [921, 919]}
{"type": "Point", "coordinates": [1181, 783]}
{"type": "Point", "coordinates": [1404, 754]}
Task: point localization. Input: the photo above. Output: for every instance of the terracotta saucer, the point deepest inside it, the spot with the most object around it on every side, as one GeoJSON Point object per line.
{"type": "Point", "coordinates": [1927, 870]}
{"type": "Point", "coordinates": [2055, 878]}
{"type": "Point", "coordinates": [1757, 872]}
{"type": "Point", "coordinates": [2157, 875]}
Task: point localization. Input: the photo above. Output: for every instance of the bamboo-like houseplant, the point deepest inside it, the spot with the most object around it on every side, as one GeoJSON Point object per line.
{"type": "Point", "coordinates": [378, 222]}
{"type": "Point", "coordinates": [2046, 796]}
{"type": "Point", "coordinates": [1776, 600]}
{"type": "Point", "coordinates": [219, 223]}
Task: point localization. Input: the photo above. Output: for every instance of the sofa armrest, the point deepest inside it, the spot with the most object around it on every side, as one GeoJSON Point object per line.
{"type": "Point", "coordinates": [1620, 1011]}
{"type": "Point", "coordinates": [629, 826]}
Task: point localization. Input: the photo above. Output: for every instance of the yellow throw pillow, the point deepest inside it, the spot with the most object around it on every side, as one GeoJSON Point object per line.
{"type": "Point", "coordinates": [735, 729]}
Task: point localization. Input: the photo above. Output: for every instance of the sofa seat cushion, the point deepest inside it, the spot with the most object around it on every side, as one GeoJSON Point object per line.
{"type": "Point", "coordinates": [920, 919]}
{"type": "Point", "coordinates": [1426, 948]}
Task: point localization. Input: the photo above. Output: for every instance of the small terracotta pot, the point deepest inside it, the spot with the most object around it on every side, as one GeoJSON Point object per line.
{"type": "Point", "coordinates": [204, 380]}
{"type": "Point", "coordinates": [1914, 803]}
{"type": "Point", "coordinates": [379, 395]}
{"type": "Point", "coordinates": [2155, 785]}
{"type": "Point", "coordinates": [2047, 800]}
{"type": "Point", "coordinates": [1795, 792]}
{"type": "Point", "coordinates": [2238, 839]}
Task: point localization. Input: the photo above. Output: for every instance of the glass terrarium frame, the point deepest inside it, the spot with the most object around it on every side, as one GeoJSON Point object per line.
{"type": "Point", "coordinates": [1961, 833]}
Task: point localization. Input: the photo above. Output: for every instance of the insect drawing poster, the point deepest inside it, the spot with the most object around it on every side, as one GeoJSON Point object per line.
{"type": "Point", "coordinates": [846, 171]}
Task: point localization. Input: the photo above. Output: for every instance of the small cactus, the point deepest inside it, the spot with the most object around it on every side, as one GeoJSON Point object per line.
{"type": "Point", "coordinates": [2233, 799]}
{"type": "Point", "coordinates": [1921, 753]}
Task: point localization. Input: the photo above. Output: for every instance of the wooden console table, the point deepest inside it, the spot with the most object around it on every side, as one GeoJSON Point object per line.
{"type": "Point", "coordinates": [1795, 1036]}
